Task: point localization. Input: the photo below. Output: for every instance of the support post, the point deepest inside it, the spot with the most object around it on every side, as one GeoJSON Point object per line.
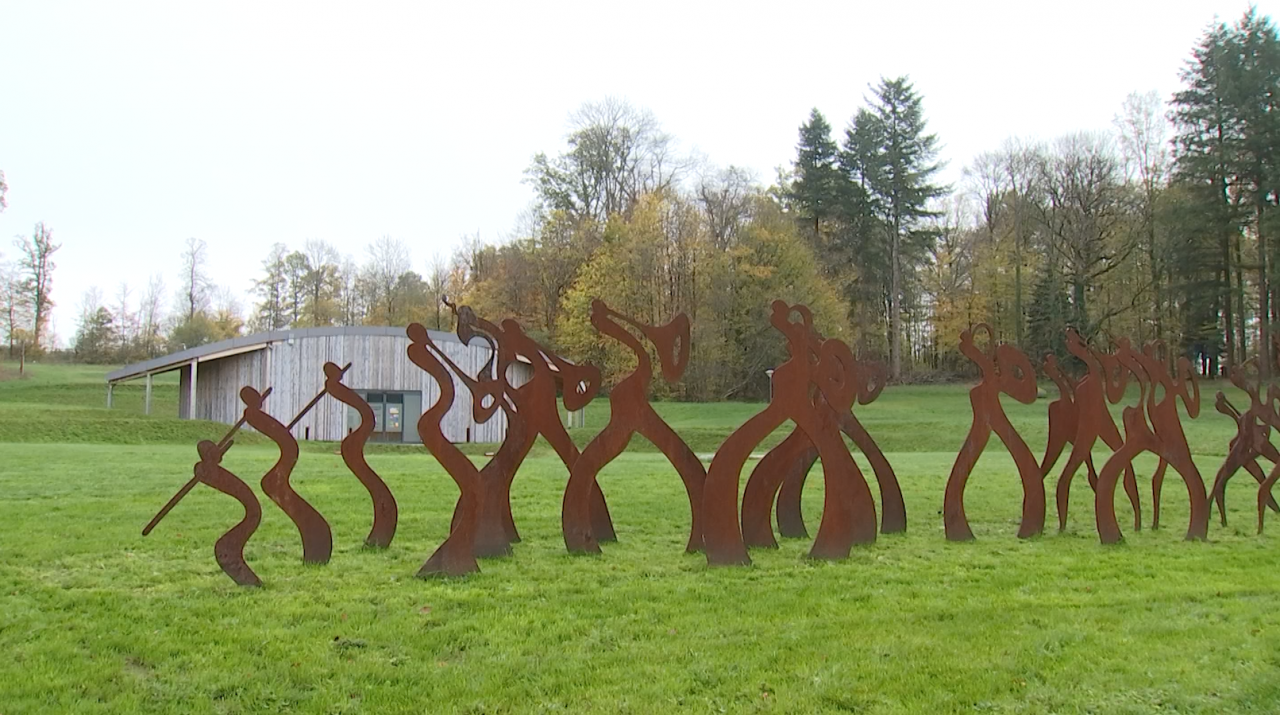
{"type": "Point", "coordinates": [191, 398]}
{"type": "Point", "coordinates": [146, 404]}
{"type": "Point", "coordinates": [109, 386]}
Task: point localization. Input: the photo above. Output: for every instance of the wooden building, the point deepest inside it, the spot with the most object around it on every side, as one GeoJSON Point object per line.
{"type": "Point", "coordinates": [291, 362]}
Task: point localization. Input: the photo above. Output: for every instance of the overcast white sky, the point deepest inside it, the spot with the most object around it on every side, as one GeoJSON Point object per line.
{"type": "Point", "coordinates": [128, 127]}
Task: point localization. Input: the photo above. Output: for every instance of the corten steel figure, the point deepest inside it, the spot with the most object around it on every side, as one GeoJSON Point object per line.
{"type": "Point", "coordinates": [1064, 419]}
{"type": "Point", "coordinates": [849, 513]}
{"type": "Point", "coordinates": [1093, 421]}
{"type": "Point", "coordinates": [1004, 369]}
{"type": "Point", "coordinates": [385, 512]}
{"type": "Point", "coordinates": [631, 413]}
{"type": "Point", "coordinates": [535, 402]}
{"type": "Point", "coordinates": [494, 529]}
{"type": "Point", "coordinates": [1252, 438]}
{"type": "Point", "coordinates": [317, 539]}
{"type": "Point", "coordinates": [784, 469]}
{"type": "Point", "coordinates": [778, 477]}
{"type": "Point", "coordinates": [530, 411]}
{"type": "Point", "coordinates": [1164, 438]}
{"type": "Point", "coordinates": [1264, 489]}
{"type": "Point", "coordinates": [228, 550]}
{"type": "Point", "coordinates": [456, 556]}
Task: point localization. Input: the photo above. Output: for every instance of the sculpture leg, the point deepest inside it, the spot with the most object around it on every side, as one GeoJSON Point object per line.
{"type": "Point", "coordinates": [688, 466]}
{"type": "Point", "coordinates": [1256, 471]}
{"type": "Point", "coordinates": [555, 434]}
{"type": "Point", "coordinates": [575, 513]}
{"type": "Point", "coordinates": [722, 537]}
{"type": "Point", "coordinates": [1059, 428]}
{"type": "Point", "coordinates": [790, 516]}
{"type": "Point", "coordinates": [1180, 459]}
{"type": "Point", "coordinates": [1235, 459]}
{"type": "Point", "coordinates": [317, 538]}
{"type": "Point", "coordinates": [601, 521]}
{"type": "Point", "coordinates": [385, 512]}
{"type": "Point", "coordinates": [762, 489]}
{"type": "Point", "coordinates": [848, 508]}
{"type": "Point", "coordinates": [954, 520]}
{"type": "Point", "coordinates": [1157, 487]}
{"type": "Point", "coordinates": [456, 556]}
{"type": "Point", "coordinates": [1264, 494]}
{"type": "Point", "coordinates": [491, 536]}
{"type": "Point", "coordinates": [1080, 454]}
{"type": "Point", "coordinates": [1104, 499]}
{"type": "Point", "coordinates": [1131, 490]}
{"type": "Point", "coordinates": [1033, 497]}
{"type": "Point", "coordinates": [228, 550]}
{"type": "Point", "coordinates": [893, 510]}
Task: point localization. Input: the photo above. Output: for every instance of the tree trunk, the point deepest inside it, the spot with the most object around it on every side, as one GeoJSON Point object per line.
{"type": "Point", "coordinates": [1264, 295]}
{"type": "Point", "coordinates": [1017, 270]}
{"type": "Point", "coordinates": [1078, 284]}
{"type": "Point", "coordinates": [1157, 303]}
{"type": "Point", "coordinates": [895, 302]}
{"type": "Point", "coordinates": [1242, 342]}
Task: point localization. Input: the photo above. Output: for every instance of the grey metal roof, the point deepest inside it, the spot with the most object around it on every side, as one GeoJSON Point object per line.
{"type": "Point", "coordinates": [247, 343]}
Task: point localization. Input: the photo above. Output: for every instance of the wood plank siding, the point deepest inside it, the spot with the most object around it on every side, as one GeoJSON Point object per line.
{"type": "Point", "coordinates": [293, 366]}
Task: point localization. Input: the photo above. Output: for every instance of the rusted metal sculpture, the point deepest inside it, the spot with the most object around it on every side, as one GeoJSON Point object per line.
{"type": "Point", "coordinates": [784, 469]}
{"type": "Point", "coordinates": [1252, 440]}
{"type": "Point", "coordinates": [1164, 438]}
{"type": "Point", "coordinates": [535, 403]}
{"type": "Point", "coordinates": [1004, 369]}
{"type": "Point", "coordinates": [317, 538]}
{"type": "Point", "coordinates": [530, 410]}
{"type": "Point", "coordinates": [385, 511]}
{"type": "Point", "coordinates": [228, 550]}
{"type": "Point", "coordinates": [456, 556]}
{"type": "Point", "coordinates": [778, 477]}
{"type": "Point", "coordinates": [1064, 419]}
{"type": "Point", "coordinates": [494, 529]}
{"type": "Point", "coordinates": [630, 413]}
{"type": "Point", "coordinates": [1083, 424]}
{"type": "Point", "coordinates": [848, 515]}
{"type": "Point", "coordinates": [1264, 489]}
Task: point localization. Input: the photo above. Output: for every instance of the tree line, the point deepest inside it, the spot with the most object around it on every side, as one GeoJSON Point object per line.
{"type": "Point", "coordinates": [1157, 228]}
{"type": "Point", "coordinates": [1140, 231]}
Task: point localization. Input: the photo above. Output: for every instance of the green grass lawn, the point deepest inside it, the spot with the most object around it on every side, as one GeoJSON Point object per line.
{"type": "Point", "coordinates": [98, 619]}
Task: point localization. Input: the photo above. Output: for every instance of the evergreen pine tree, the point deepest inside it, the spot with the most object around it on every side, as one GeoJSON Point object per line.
{"type": "Point", "coordinates": [816, 188]}
{"type": "Point", "coordinates": [897, 163]}
{"type": "Point", "coordinates": [1048, 317]}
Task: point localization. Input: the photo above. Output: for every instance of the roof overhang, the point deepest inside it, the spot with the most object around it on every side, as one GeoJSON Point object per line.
{"type": "Point", "coordinates": [259, 341]}
{"type": "Point", "coordinates": [179, 360]}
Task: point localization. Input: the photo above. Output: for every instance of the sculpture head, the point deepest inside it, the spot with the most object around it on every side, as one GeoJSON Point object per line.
{"type": "Point", "coordinates": [417, 332]}
{"type": "Point", "coordinates": [251, 397]}
{"type": "Point", "coordinates": [332, 371]}
{"type": "Point", "coordinates": [208, 451]}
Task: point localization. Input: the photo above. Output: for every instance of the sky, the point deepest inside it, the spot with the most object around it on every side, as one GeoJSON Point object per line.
{"type": "Point", "coordinates": [127, 127]}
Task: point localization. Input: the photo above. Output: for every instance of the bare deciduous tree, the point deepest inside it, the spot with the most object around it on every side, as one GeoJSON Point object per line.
{"type": "Point", "coordinates": [388, 260]}
{"type": "Point", "coordinates": [616, 154]}
{"type": "Point", "coordinates": [725, 198]}
{"type": "Point", "coordinates": [35, 276]}
{"type": "Point", "coordinates": [1142, 129]}
{"type": "Point", "coordinates": [152, 316]}
{"type": "Point", "coordinates": [195, 282]}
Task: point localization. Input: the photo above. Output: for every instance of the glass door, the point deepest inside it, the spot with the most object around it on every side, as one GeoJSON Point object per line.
{"type": "Point", "coordinates": [393, 418]}
{"type": "Point", "coordinates": [391, 412]}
